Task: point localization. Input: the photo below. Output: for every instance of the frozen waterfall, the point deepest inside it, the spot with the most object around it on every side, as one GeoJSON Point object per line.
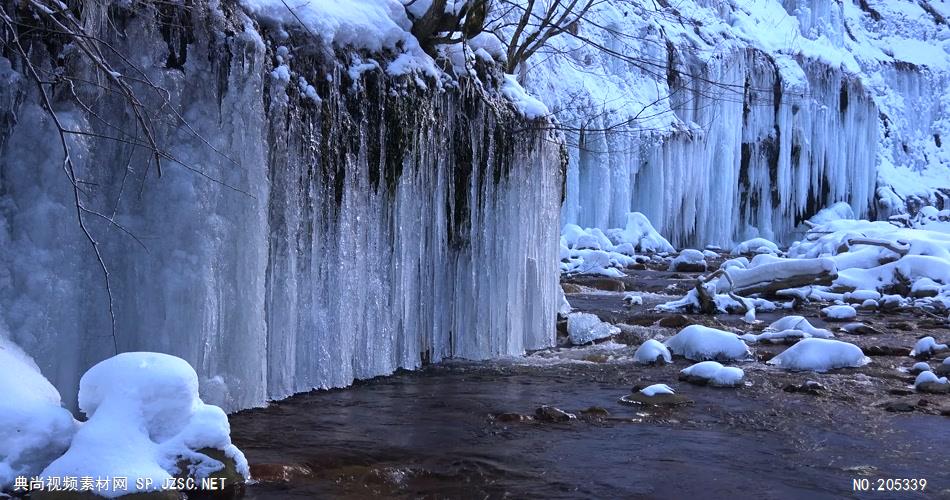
{"type": "Point", "coordinates": [329, 230]}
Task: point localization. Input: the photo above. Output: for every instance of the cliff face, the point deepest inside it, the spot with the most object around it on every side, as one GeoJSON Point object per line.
{"type": "Point", "coordinates": [317, 219]}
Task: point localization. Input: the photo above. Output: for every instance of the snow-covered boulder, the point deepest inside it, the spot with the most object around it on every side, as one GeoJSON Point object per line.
{"type": "Point", "coordinates": [700, 343]}
{"type": "Point", "coordinates": [735, 263]}
{"type": "Point", "coordinates": [656, 389]}
{"type": "Point", "coordinates": [652, 352]}
{"type": "Point", "coordinates": [839, 313]}
{"type": "Point", "coordinates": [632, 299]}
{"type": "Point", "coordinates": [690, 261]}
{"type": "Point", "coordinates": [796, 322]}
{"type": "Point", "coordinates": [755, 246]}
{"type": "Point", "coordinates": [920, 367]}
{"type": "Point", "coordinates": [34, 426]}
{"type": "Point", "coordinates": [820, 355]}
{"type": "Point", "coordinates": [928, 381]}
{"type": "Point", "coordinates": [145, 421]}
{"type": "Point", "coordinates": [583, 328]}
{"type": "Point", "coordinates": [713, 373]}
{"type": "Point", "coordinates": [927, 346]}
{"type": "Point", "coordinates": [641, 234]}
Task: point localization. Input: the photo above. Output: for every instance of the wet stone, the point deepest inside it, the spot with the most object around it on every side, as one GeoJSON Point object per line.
{"type": "Point", "coordinates": [886, 350]}
{"type": "Point", "coordinates": [933, 388]}
{"type": "Point", "coordinates": [551, 414]}
{"type": "Point", "coordinates": [676, 321]}
{"type": "Point", "coordinates": [899, 407]}
{"type": "Point", "coordinates": [571, 288]}
{"type": "Point", "coordinates": [607, 284]}
{"type": "Point", "coordinates": [640, 399]}
{"type": "Point", "coordinates": [807, 387]}
{"type": "Point", "coordinates": [512, 417]}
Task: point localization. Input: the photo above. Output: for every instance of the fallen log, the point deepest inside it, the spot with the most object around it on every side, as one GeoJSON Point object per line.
{"type": "Point", "coordinates": [768, 279]}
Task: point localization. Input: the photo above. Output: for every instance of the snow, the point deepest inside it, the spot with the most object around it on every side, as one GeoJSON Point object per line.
{"type": "Point", "coordinates": [699, 343]}
{"type": "Point", "coordinates": [583, 328]}
{"type": "Point", "coordinates": [715, 373]}
{"type": "Point", "coordinates": [656, 389]}
{"type": "Point", "coordinates": [34, 426]}
{"type": "Point", "coordinates": [633, 299]}
{"type": "Point", "coordinates": [144, 417]}
{"type": "Point", "coordinates": [820, 355]}
{"type": "Point", "coordinates": [650, 350]}
{"type": "Point", "coordinates": [927, 345]}
{"type": "Point", "coordinates": [530, 107]}
{"type": "Point", "coordinates": [592, 251]}
{"type": "Point", "coordinates": [920, 367]}
{"type": "Point", "coordinates": [839, 313]}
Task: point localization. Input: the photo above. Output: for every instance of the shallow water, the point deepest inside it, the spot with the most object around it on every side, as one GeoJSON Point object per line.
{"type": "Point", "coordinates": [432, 434]}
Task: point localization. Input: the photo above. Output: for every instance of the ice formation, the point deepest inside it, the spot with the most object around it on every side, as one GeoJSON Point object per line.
{"type": "Point", "coordinates": [144, 421]}
{"type": "Point", "coordinates": [346, 217]}
{"type": "Point", "coordinates": [34, 426]}
{"type": "Point", "coordinates": [714, 374]}
{"type": "Point", "coordinates": [583, 328]}
{"type": "Point", "coordinates": [700, 343]}
{"type": "Point", "coordinates": [722, 121]}
{"type": "Point", "coordinates": [820, 355]}
{"type": "Point", "coordinates": [796, 322]}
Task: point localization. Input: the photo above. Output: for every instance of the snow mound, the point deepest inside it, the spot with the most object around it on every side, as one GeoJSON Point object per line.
{"type": "Point", "coordinates": [755, 246]}
{"type": "Point", "coordinates": [700, 343]}
{"type": "Point", "coordinates": [796, 322]}
{"type": "Point", "coordinates": [591, 251]}
{"type": "Point", "coordinates": [652, 351]}
{"type": "Point", "coordinates": [583, 328]}
{"type": "Point", "coordinates": [820, 355]}
{"type": "Point", "coordinates": [656, 389]}
{"type": "Point", "coordinates": [839, 313]}
{"type": "Point", "coordinates": [715, 374]}
{"type": "Point", "coordinates": [639, 232]}
{"type": "Point", "coordinates": [776, 337]}
{"type": "Point", "coordinates": [145, 418]}
{"type": "Point", "coordinates": [34, 426]}
{"type": "Point", "coordinates": [633, 299]}
{"type": "Point", "coordinates": [927, 345]}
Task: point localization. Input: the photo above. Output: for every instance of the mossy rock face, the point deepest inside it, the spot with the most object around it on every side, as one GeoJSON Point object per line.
{"type": "Point", "coordinates": [91, 495]}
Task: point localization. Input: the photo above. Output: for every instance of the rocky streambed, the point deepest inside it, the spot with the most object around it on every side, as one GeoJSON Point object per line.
{"type": "Point", "coordinates": [552, 424]}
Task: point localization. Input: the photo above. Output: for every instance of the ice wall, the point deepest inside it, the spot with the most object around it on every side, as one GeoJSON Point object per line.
{"type": "Point", "coordinates": [726, 120]}
{"type": "Point", "coordinates": [318, 224]}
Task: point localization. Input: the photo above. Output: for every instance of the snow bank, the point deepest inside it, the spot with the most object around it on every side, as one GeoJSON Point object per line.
{"type": "Point", "coordinates": [34, 426]}
{"type": "Point", "coordinates": [820, 355]}
{"type": "Point", "coordinates": [651, 352]}
{"type": "Point", "coordinates": [145, 418]}
{"type": "Point", "coordinates": [583, 328]}
{"type": "Point", "coordinates": [839, 313]}
{"type": "Point", "coordinates": [700, 343]}
{"type": "Point", "coordinates": [714, 374]}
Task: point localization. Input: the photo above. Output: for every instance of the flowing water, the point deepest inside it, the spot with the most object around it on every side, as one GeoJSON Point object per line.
{"type": "Point", "coordinates": [437, 433]}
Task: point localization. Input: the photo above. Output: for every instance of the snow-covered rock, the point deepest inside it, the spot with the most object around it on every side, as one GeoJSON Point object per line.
{"type": "Point", "coordinates": [632, 299]}
{"type": "Point", "coordinates": [713, 373]}
{"type": "Point", "coordinates": [839, 313]}
{"type": "Point", "coordinates": [928, 381]}
{"type": "Point", "coordinates": [651, 352]}
{"type": "Point", "coordinates": [920, 367]}
{"type": "Point", "coordinates": [34, 426]}
{"type": "Point", "coordinates": [700, 343]}
{"type": "Point", "coordinates": [796, 322]}
{"type": "Point", "coordinates": [145, 419]}
{"type": "Point", "coordinates": [583, 328]}
{"type": "Point", "coordinates": [926, 346]}
{"type": "Point", "coordinates": [820, 355]}
{"type": "Point", "coordinates": [689, 260]}
{"type": "Point", "coordinates": [755, 246]}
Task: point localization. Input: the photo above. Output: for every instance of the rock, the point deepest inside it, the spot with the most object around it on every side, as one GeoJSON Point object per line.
{"type": "Point", "coordinates": [640, 399]}
{"type": "Point", "coordinates": [607, 284]}
{"type": "Point", "coordinates": [637, 267]}
{"type": "Point", "coordinates": [571, 288]}
{"type": "Point", "coordinates": [596, 411]}
{"type": "Point", "coordinates": [278, 473]}
{"type": "Point", "coordinates": [945, 411]}
{"type": "Point", "coordinates": [860, 329]}
{"type": "Point", "coordinates": [551, 414]}
{"type": "Point", "coordinates": [933, 388]}
{"type": "Point", "coordinates": [512, 417]}
{"type": "Point", "coordinates": [229, 478]}
{"type": "Point", "coordinates": [942, 370]}
{"type": "Point", "coordinates": [807, 387]}
{"type": "Point", "coordinates": [886, 350]}
{"type": "Point", "coordinates": [677, 321]}
{"type": "Point", "coordinates": [902, 326]}
{"type": "Point", "coordinates": [900, 392]}
{"type": "Point", "coordinates": [899, 407]}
